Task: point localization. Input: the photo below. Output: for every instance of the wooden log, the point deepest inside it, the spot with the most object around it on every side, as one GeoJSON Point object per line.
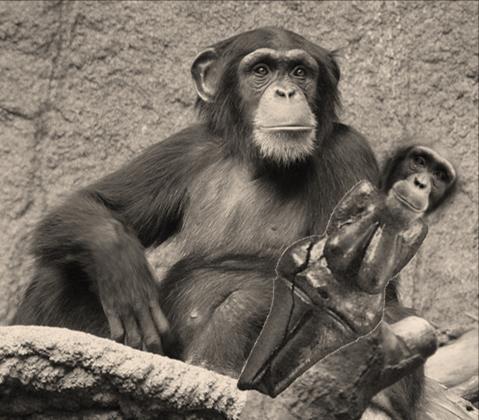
{"type": "Point", "coordinates": [58, 373]}
{"type": "Point", "coordinates": [342, 384]}
{"type": "Point", "coordinates": [456, 363]}
{"type": "Point", "coordinates": [440, 404]}
{"type": "Point", "coordinates": [469, 390]}
{"type": "Point", "coordinates": [55, 373]}
{"type": "Point", "coordinates": [61, 373]}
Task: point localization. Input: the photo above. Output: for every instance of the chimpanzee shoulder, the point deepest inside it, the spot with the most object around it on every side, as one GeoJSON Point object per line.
{"type": "Point", "coordinates": [346, 157]}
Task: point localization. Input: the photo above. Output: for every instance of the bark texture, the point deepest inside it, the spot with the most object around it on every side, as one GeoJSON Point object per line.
{"type": "Point", "coordinates": [57, 373]}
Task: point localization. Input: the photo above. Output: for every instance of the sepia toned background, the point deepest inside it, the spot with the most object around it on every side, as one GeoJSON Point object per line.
{"type": "Point", "coordinates": [85, 86]}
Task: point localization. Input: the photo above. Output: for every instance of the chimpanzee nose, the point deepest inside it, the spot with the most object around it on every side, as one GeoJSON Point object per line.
{"type": "Point", "coordinates": [420, 181]}
{"type": "Point", "coordinates": [285, 92]}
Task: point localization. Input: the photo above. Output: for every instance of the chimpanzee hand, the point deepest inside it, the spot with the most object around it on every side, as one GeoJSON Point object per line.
{"type": "Point", "coordinates": [129, 297]}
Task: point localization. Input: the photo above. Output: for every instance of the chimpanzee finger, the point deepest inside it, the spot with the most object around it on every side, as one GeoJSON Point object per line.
{"type": "Point", "coordinates": [117, 332]}
{"type": "Point", "coordinates": [161, 322]}
{"type": "Point", "coordinates": [132, 333]}
{"type": "Point", "coordinates": [151, 338]}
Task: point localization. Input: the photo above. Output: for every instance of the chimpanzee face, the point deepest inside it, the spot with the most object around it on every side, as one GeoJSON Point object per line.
{"type": "Point", "coordinates": [422, 179]}
{"type": "Point", "coordinates": [270, 91]}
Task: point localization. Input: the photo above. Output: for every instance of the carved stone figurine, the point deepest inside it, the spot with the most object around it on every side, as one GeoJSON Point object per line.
{"type": "Point", "coordinates": [330, 289]}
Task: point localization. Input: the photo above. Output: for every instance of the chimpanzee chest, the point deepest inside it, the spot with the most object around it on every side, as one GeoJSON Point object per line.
{"type": "Point", "coordinates": [229, 211]}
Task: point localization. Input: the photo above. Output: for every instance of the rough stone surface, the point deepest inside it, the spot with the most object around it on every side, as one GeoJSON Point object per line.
{"type": "Point", "coordinates": [85, 86]}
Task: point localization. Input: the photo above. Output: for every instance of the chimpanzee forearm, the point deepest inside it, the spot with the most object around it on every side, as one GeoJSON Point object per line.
{"type": "Point", "coordinates": [86, 233]}
{"type": "Point", "coordinates": [105, 250]}
{"type": "Point", "coordinates": [144, 198]}
{"type": "Point", "coordinates": [78, 230]}
{"type": "Point", "coordinates": [99, 235]}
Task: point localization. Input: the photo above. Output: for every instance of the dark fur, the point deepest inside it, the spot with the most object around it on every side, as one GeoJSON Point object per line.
{"type": "Point", "coordinates": [175, 191]}
{"type": "Point", "coordinates": [143, 203]}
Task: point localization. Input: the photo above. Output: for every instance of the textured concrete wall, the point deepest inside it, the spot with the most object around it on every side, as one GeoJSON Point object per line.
{"type": "Point", "coordinates": [85, 86]}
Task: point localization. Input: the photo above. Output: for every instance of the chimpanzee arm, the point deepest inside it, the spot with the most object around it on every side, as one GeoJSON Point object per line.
{"type": "Point", "coordinates": [103, 229]}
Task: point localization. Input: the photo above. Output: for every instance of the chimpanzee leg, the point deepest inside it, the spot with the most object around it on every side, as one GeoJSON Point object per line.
{"type": "Point", "coordinates": [216, 310]}
{"type": "Point", "coordinates": [226, 341]}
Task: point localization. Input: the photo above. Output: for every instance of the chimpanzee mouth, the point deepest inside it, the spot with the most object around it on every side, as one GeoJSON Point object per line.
{"type": "Point", "coordinates": [288, 128]}
{"type": "Point", "coordinates": [406, 202]}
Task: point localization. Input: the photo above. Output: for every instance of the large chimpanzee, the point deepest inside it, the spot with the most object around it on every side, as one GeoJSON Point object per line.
{"type": "Point", "coordinates": [265, 167]}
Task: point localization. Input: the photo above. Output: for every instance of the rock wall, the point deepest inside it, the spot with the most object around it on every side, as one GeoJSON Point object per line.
{"type": "Point", "coordinates": [85, 86]}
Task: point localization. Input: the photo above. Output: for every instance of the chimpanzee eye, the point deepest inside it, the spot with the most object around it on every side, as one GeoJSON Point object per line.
{"type": "Point", "coordinates": [440, 175]}
{"type": "Point", "coordinates": [419, 160]}
{"type": "Point", "coordinates": [299, 71]}
{"type": "Point", "coordinates": [261, 69]}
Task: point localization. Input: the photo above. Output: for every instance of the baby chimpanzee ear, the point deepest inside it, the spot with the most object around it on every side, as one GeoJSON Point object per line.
{"type": "Point", "coordinates": [206, 72]}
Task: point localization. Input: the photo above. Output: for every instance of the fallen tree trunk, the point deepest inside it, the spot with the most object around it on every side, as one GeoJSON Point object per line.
{"type": "Point", "coordinates": [63, 372]}
{"type": "Point", "coordinates": [456, 365]}
{"type": "Point", "coordinates": [57, 373]}
{"type": "Point", "coordinates": [442, 404]}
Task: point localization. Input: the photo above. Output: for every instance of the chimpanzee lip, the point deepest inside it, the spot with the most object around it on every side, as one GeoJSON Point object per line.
{"type": "Point", "coordinates": [288, 128]}
{"type": "Point", "coordinates": [406, 202]}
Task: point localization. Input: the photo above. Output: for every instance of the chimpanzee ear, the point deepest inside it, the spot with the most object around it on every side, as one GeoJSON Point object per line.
{"type": "Point", "coordinates": [206, 72]}
{"type": "Point", "coordinates": [334, 67]}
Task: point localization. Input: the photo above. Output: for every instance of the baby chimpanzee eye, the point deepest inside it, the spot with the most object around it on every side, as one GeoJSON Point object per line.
{"type": "Point", "coordinates": [440, 175]}
{"type": "Point", "coordinates": [419, 160]}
